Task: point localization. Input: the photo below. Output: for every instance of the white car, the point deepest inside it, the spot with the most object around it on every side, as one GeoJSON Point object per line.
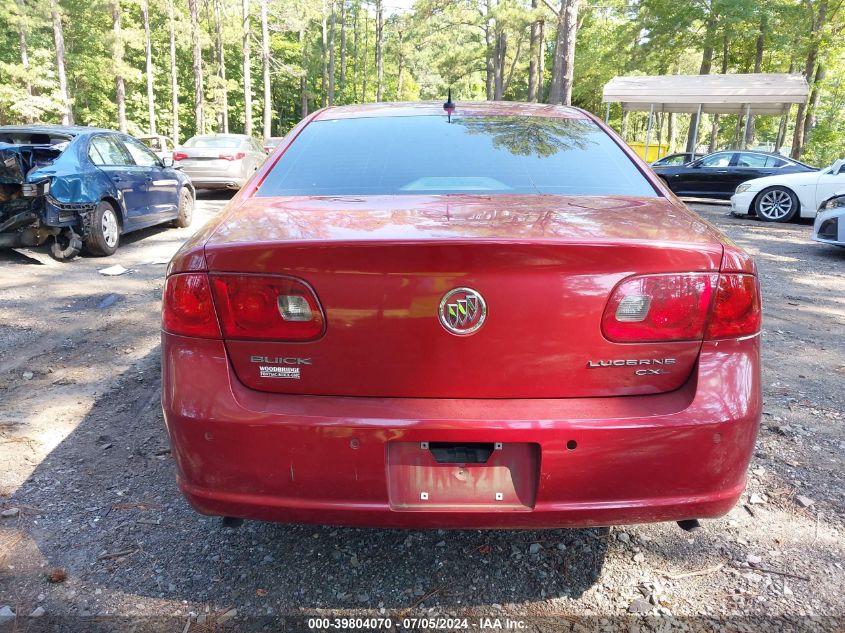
{"type": "Point", "coordinates": [784, 197]}
{"type": "Point", "coordinates": [829, 227]}
{"type": "Point", "coordinates": [162, 146]}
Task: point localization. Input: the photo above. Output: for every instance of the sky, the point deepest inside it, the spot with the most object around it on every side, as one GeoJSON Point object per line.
{"type": "Point", "coordinates": [397, 6]}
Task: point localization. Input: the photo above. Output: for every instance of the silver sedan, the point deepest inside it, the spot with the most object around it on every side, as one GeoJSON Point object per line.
{"type": "Point", "coordinates": [219, 161]}
{"type": "Point", "coordinates": [829, 226]}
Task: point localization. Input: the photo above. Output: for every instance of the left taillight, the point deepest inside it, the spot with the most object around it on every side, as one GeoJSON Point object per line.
{"type": "Point", "coordinates": [737, 307]}
{"type": "Point", "coordinates": [187, 306]}
{"type": "Point", "coordinates": [683, 307]}
{"type": "Point", "coordinates": [267, 307]}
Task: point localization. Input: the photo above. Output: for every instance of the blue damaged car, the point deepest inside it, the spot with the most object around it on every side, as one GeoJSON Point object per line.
{"type": "Point", "coordinates": [83, 188]}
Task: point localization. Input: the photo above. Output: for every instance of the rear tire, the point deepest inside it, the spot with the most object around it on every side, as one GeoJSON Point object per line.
{"type": "Point", "coordinates": [105, 231]}
{"type": "Point", "coordinates": [776, 204]}
{"type": "Point", "coordinates": [186, 210]}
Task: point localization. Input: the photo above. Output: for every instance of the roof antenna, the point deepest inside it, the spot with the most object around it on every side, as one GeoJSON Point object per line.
{"type": "Point", "coordinates": [449, 106]}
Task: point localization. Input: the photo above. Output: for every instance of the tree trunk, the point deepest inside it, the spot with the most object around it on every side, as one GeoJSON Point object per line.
{"type": "Point", "coordinates": [670, 132]}
{"type": "Point", "coordinates": [815, 93]}
{"type": "Point", "coordinates": [533, 55]}
{"type": "Point", "coordinates": [342, 44]}
{"type": "Point", "coordinates": [704, 69]}
{"type": "Point", "coordinates": [564, 60]}
{"type": "Point", "coordinates": [221, 69]}
{"type": "Point", "coordinates": [738, 131]}
{"type": "Point", "coordinates": [799, 137]}
{"type": "Point", "coordinates": [303, 78]}
{"type": "Point", "coordinates": [331, 53]}
{"type": "Point", "coordinates": [324, 51]}
{"type": "Point", "coordinates": [714, 121]}
{"type": "Point", "coordinates": [784, 119]}
{"type": "Point", "coordinates": [59, 39]}
{"type": "Point", "coordinates": [196, 65]}
{"type": "Point", "coordinates": [488, 40]}
{"type": "Point", "coordinates": [781, 137]}
{"type": "Point", "coordinates": [400, 79]}
{"type": "Point", "coordinates": [507, 81]}
{"type": "Point", "coordinates": [247, 70]}
{"type": "Point", "coordinates": [148, 51]}
{"type": "Point", "coordinates": [571, 27]}
{"type": "Point", "coordinates": [379, 50]}
{"type": "Point", "coordinates": [541, 64]}
{"type": "Point", "coordinates": [499, 53]}
{"type": "Point", "coordinates": [714, 134]}
{"type": "Point", "coordinates": [751, 130]}
{"type": "Point", "coordinates": [174, 75]}
{"type": "Point", "coordinates": [355, 54]}
{"type": "Point", "coordinates": [265, 65]}
{"type": "Point", "coordinates": [120, 87]}
{"type": "Point", "coordinates": [364, 58]}
{"type": "Point", "coordinates": [556, 86]}
{"type": "Point", "coordinates": [759, 46]}
{"type": "Point", "coordinates": [24, 49]}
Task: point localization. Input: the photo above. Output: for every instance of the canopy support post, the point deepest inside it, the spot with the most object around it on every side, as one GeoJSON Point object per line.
{"type": "Point", "coordinates": [694, 143]}
{"type": "Point", "coordinates": [607, 113]}
{"type": "Point", "coordinates": [648, 132]}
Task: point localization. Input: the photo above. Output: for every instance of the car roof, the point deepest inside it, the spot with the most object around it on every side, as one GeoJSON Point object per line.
{"type": "Point", "coordinates": [68, 130]}
{"type": "Point", "coordinates": [466, 108]}
{"type": "Point", "coordinates": [221, 136]}
{"type": "Point", "coordinates": [752, 151]}
{"type": "Point", "coordinates": [762, 153]}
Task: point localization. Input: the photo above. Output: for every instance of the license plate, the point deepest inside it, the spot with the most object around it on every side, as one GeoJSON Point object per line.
{"type": "Point", "coordinates": [431, 476]}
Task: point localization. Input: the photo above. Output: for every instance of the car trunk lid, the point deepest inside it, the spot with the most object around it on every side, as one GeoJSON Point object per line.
{"type": "Point", "coordinates": [381, 266]}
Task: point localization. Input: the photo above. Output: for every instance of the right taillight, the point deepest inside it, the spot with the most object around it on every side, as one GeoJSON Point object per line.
{"type": "Point", "coordinates": [267, 307]}
{"type": "Point", "coordinates": [737, 309]}
{"type": "Point", "coordinates": [179, 156]}
{"type": "Point", "coordinates": [683, 307]}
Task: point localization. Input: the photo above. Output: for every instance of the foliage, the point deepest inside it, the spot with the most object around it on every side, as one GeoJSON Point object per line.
{"type": "Point", "coordinates": [435, 45]}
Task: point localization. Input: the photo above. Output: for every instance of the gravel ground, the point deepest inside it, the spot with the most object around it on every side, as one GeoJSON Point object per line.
{"type": "Point", "coordinates": [94, 535]}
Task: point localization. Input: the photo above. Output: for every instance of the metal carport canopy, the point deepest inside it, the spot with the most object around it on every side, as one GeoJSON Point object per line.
{"type": "Point", "coordinates": [761, 93]}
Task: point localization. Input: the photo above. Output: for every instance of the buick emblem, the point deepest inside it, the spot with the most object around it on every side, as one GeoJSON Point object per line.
{"type": "Point", "coordinates": [462, 311]}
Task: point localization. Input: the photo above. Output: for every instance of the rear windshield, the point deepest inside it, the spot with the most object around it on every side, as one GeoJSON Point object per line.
{"type": "Point", "coordinates": [214, 142]}
{"type": "Point", "coordinates": [469, 155]}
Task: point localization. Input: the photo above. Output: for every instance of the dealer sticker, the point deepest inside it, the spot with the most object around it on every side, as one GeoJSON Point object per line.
{"type": "Point", "coordinates": [274, 371]}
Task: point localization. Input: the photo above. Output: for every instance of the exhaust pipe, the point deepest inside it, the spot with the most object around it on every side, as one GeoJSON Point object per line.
{"type": "Point", "coordinates": [232, 522]}
{"type": "Point", "coordinates": [689, 525]}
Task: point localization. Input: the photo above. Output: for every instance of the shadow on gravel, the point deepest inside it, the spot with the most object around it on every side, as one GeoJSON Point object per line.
{"type": "Point", "coordinates": [216, 194]}
{"type": "Point", "coordinates": [104, 506]}
{"type": "Point", "coordinates": [9, 256]}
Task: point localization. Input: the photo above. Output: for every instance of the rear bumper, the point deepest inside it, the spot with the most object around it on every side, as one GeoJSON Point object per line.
{"type": "Point", "coordinates": [228, 176]}
{"type": "Point", "coordinates": [217, 182]}
{"type": "Point", "coordinates": [308, 459]}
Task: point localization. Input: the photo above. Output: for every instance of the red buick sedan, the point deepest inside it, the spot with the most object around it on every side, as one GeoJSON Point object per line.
{"type": "Point", "coordinates": [489, 316]}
